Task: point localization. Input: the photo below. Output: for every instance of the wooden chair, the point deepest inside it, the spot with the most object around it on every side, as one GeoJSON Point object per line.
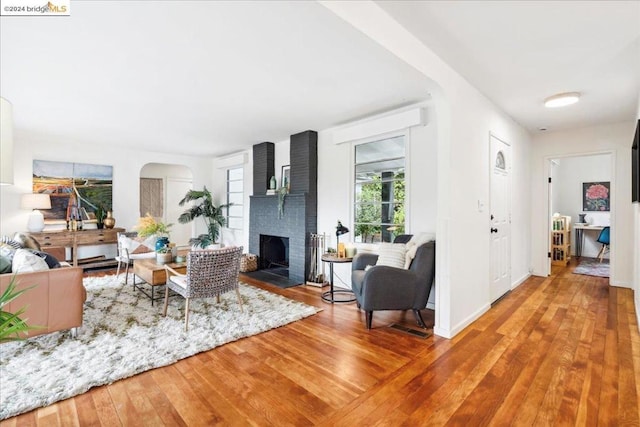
{"type": "Point", "coordinates": [209, 273]}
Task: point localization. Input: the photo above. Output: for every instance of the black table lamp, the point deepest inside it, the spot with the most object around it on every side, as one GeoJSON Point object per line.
{"type": "Point", "coordinates": [340, 230]}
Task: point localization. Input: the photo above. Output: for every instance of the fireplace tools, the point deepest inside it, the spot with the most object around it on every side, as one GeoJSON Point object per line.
{"type": "Point", "coordinates": [317, 248]}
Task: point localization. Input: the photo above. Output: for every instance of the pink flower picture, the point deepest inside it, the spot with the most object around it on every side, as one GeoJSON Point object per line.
{"type": "Point", "coordinates": [595, 196]}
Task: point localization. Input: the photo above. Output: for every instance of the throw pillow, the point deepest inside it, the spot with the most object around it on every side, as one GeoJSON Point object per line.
{"type": "Point", "coordinates": [143, 245]}
{"type": "Point", "coordinates": [27, 262]}
{"type": "Point", "coordinates": [392, 254]}
{"type": "Point", "coordinates": [412, 246]}
{"type": "Point", "coordinates": [7, 251]}
{"type": "Point", "coordinates": [51, 261]}
{"type": "Point", "coordinates": [5, 265]}
{"type": "Point", "coordinates": [11, 242]}
{"type": "Point", "coordinates": [26, 241]}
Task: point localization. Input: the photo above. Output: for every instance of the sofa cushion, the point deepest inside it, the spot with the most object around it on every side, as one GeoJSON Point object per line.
{"type": "Point", "coordinates": [392, 254]}
{"type": "Point", "coordinates": [25, 261]}
{"type": "Point", "coordinates": [5, 265]}
{"type": "Point", "coordinates": [26, 241]}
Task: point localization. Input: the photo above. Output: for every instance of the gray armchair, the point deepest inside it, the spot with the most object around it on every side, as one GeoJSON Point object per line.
{"type": "Point", "coordinates": [390, 288]}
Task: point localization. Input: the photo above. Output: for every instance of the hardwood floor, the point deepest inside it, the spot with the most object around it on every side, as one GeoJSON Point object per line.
{"type": "Point", "coordinates": [562, 350]}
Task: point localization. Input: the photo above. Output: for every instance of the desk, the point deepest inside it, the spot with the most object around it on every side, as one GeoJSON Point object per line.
{"type": "Point", "coordinates": [580, 228]}
{"type": "Point", "coordinates": [330, 295]}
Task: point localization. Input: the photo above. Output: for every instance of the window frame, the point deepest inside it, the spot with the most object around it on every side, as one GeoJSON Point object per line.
{"type": "Point", "coordinates": [227, 192]}
{"type": "Point", "coordinates": [406, 134]}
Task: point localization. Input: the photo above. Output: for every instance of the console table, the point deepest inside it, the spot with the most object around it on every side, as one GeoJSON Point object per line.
{"type": "Point", "coordinates": [73, 239]}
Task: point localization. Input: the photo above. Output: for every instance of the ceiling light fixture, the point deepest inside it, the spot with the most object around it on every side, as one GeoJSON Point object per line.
{"type": "Point", "coordinates": [562, 99]}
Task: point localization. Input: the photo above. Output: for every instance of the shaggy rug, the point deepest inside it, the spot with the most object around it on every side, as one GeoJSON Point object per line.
{"type": "Point", "coordinates": [593, 267]}
{"type": "Point", "coordinates": [124, 335]}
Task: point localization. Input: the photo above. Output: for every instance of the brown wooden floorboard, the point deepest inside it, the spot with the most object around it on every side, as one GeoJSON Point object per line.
{"type": "Point", "coordinates": [558, 350]}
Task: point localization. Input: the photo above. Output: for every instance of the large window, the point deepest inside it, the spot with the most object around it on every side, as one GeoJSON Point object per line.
{"type": "Point", "coordinates": [379, 208]}
{"type": "Point", "coordinates": [235, 195]}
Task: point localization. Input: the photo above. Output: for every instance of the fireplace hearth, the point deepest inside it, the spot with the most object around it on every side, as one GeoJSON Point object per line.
{"type": "Point", "coordinates": [274, 254]}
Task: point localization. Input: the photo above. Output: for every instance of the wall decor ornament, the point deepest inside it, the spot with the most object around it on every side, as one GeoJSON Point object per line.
{"type": "Point", "coordinates": [595, 196]}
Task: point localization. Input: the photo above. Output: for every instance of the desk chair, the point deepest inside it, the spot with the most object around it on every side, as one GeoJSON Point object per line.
{"type": "Point", "coordinates": [604, 239]}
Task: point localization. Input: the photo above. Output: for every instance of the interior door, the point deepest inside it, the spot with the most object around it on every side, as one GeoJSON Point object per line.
{"type": "Point", "coordinates": [500, 209]}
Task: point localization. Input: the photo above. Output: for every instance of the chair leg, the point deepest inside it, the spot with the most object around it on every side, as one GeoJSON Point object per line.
{"type": "Point", "coordinates": [601, 253]}
{"type": "Point", "coordinates": [368, 317]}
{"type": "Point", "coordinates": [118, 270]}
{"type": "Point", "coordinates": [166, 300]}
{"type": "Point", "coordinates": [239, 299]}
{"type": "Point", "coordinates": [419, 318]}
{"type": "Point", "coordinates": [186, 315]}
{"type": "Point", "coordinates": [126, 276]}
{"type": "Point", "coordinates": [218, 298]}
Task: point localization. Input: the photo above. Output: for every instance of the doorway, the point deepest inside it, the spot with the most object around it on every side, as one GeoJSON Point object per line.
{"type": "Point", "coordinates": [500, 208]}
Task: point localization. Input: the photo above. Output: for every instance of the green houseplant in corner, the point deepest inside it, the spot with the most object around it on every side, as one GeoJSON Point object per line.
{"type": "Point", "coordinates": [11, 324]}
{"type": "Point", "coordinates": [204, 208]}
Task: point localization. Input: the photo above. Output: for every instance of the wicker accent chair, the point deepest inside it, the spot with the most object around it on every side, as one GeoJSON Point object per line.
{"type": "Point", "coordinates": [209, 273]}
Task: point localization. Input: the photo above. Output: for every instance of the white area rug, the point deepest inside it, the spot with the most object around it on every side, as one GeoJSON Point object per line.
{"type": "Point", "coordinates": [123, 335]}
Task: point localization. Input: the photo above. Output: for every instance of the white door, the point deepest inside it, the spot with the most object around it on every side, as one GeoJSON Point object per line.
{"type": "Point", "coordinates": [176, 189]}
{"type": "Point", "coordinates": [500, 209]}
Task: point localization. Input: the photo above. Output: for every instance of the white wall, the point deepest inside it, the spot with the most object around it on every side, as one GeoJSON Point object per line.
{"type": "Point", "coordinates": [127, 165]}
{"type": "Point", "coordinates": [614, 139]}
{"type": "Point", "coordinates": [571, 172]}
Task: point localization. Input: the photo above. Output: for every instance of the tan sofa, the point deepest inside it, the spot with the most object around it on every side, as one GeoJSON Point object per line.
{"type": "Point", "coordinates": [55, 303]}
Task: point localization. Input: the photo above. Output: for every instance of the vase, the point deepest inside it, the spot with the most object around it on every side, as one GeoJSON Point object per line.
{"type": "Point", "coordinates": [161, 242]}
{"type": "Point", "coordinates": [109, 221]}
{"type": "Point", "coordinates": [272, 183]}
{"type": "Point", "coordinates": [582, 218]}
{"type": "Point", "coordinates": [164, 257]}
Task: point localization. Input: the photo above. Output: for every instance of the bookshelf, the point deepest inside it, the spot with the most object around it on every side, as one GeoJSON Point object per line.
{"type": "Point", "coordinates": [560, 240]}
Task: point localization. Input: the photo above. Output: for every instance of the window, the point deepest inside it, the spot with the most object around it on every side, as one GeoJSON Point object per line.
{"type": "Point", "coordinates": [235, 196]}
{"type": "Point", "coordinates": [379, 202]}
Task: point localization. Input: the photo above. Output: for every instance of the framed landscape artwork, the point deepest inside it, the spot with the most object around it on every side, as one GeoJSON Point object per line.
{"type": "Point", "coordinates": [73, 187]}
{"type": "Point", "coordinates": [595, 196]}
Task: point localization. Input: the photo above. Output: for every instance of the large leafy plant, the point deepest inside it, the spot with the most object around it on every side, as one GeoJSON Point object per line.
{"type": "Point", "coordinates": [148, 226]}
{"type": "Point", "coordinates": [12, 326]}
{"type": "Point", "coordinates": [204, 208]}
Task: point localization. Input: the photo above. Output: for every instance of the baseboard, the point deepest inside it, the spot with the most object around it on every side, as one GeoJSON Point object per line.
{"type": "Point", "coordinates": [619, 284]}
{"type": "Point", "coordinates": [520, 281]}
{"type": "Point", "coordinates": [445, 333]}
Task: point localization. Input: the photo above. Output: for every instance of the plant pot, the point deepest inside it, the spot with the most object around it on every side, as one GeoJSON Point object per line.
{"type": "Point", "coordinates": [161, 242]}
{"type": "Point", "coordinates": [164, 257]}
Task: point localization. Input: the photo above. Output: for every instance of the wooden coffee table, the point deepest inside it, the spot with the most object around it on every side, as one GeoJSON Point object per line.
{"type": "Point", "coordinates": [154, 274]}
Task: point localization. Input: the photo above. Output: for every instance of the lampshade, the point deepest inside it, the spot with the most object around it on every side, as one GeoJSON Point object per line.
{"type": "Point", "coordinates": [341, 229]}
{"type": "Point", "coordinates": [6, 142]}
{"type": "Point", "coordinates": [35, 201]}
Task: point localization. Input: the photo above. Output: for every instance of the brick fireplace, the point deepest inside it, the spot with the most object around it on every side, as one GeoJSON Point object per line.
{"type": "Point", "coordinates": [300, 206]}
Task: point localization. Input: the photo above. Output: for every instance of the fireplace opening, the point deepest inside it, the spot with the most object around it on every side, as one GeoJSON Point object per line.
{"type": "Point", "coordinates": [274, 254]}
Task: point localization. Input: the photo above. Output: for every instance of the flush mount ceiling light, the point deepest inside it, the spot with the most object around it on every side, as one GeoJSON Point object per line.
{"type": "Point", "coordinates": [562, 99]}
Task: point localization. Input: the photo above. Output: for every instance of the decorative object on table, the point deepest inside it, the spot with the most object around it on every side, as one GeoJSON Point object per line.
{"type": "Point", "coordinates": [350, 250]}
{"type": "Point", "coordinates": [285, 177]}
{"type": "Point", "coordinates": [213, 216]}
{"type": "Point", "coordinates": [117, 328]}
{"type": "Point", "coordinates": [248, 262]}
{"type": "Point", "coordinates": [35, 202]}
{"type": "Point", "coordinates": [282, 193]}
{"type": "Point", "coordinates": [162, 243]}
{"type": "Point", "coordinates": [109, 221]}
{"type": "Point", "coordinates": [84, 185]}
{"type": "Point", "coordinates": [595, 196]}
{"type": "Point", "coordinates": [149, 226]}
{"type": "Point", "coordinates": [272, 183]}
{"type": "Point", "coordinates": [340, 230]}
{"type": "Point", "coordinates": [6, 142]}
{"type": "Point", "coordinates": [164, 255]}
{"type": "Point", "coordinates": [582, 218]}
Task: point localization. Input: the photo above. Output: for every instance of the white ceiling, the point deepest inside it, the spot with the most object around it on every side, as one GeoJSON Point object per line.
{"type": "Point", "coordinates": [211, 78]}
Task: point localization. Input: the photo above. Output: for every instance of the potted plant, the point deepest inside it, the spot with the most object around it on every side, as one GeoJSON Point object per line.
{"type": "Point", "coordinates": [148, 227]}
{"type": "Point", "coordinates": [204, 208]}
{"type": "Point", "coordinates": [164, 255]}
{"type": "Point", "coordinates": [12, 326]}
{"type": "Point", "coordinates": [100, 216]}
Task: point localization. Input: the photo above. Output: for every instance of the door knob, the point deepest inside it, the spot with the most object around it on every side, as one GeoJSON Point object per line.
{"type": "Point", "coordinates": [494, 230]}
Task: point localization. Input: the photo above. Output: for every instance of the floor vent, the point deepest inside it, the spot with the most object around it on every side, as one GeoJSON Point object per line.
{"type": "Point", "coordinates": [415, 332]}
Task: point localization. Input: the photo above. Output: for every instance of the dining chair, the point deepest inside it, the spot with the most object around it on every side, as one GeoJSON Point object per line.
{"type": "Point", "coordinates": [604, 239]}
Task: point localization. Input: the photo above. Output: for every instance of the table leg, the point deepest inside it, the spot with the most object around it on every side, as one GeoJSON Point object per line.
{"type": "Point", "coordinates": [579, 239]}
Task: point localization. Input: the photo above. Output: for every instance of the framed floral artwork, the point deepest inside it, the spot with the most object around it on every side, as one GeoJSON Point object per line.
{"type": "Point", "coordinates": [595, 196]}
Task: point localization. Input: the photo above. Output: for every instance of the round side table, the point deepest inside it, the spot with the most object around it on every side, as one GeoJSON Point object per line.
{"type": "Point", "coordinates": [336, 296]}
